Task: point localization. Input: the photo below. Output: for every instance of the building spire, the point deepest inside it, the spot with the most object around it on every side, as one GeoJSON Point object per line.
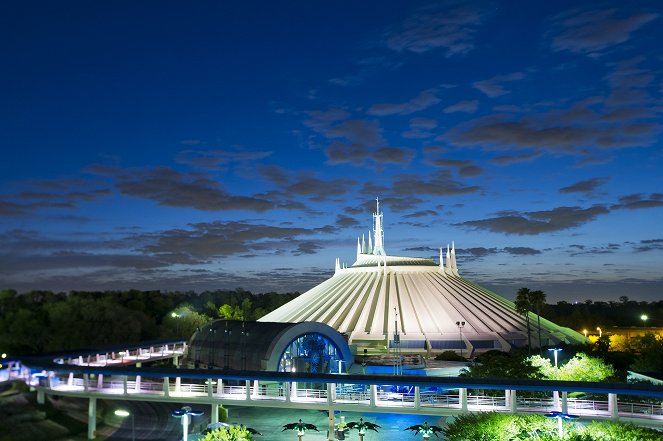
{"type": "Point", "coordinates": [378, 242]}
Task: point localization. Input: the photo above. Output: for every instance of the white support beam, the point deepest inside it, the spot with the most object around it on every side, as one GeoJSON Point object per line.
{"type": "Point", "coordinates": [613, 407]}
{"type": "Point", "coordinates": [417, 397]}
{"type": "Point", "coordinates": [462, 396]}
{"type": "Point", "coordinates": [565, 402]}
{"type": "Point", "coordinates": [166, 386]}
{"type": "Point", "coordinates": [92, 418]}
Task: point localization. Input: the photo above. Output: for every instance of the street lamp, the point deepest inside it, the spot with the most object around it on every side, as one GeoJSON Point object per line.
{"type": "Point", "coordinates": [561, 416]}
{"type": "Point", "coordinates": [600, 331]}
{"type": "Point", "coordinates": [460, 334]}
{"type": "Point", "coordinates": [176, 316]}
{"type": "Point", "coordinates": [555, 350]}
{"type": "Point", "coordinates": [186, 413]}
{"type": "Point", "coordinates": [125, 413]}
{"type": "Point", "coordinates": [584, 331]}
{"type": "Point", "coordinates": [644, 318]}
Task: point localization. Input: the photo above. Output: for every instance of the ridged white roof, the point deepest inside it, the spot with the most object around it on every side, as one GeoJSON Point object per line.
{"type": "Point", "coordinates": [425, 300]}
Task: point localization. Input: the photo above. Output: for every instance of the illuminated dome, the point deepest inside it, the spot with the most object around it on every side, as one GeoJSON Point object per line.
{"type": "Point", "coordinates": [429, 305]}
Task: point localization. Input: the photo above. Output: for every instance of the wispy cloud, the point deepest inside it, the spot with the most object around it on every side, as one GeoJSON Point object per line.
{"type": "Point", "coordinates": [590, 32]}
{"type": "Point", "coordinates": [447, 27]}
{"type": "Point", "coordinates": [586, 186]}
{"type": "Point", "coordinates": [495, 87]}
{"type": "Point", "coordinates": [424, 100]}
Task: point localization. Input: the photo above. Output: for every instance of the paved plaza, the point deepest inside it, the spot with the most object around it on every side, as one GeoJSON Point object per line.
{"type": "Point", "coordinates": [270, 421]}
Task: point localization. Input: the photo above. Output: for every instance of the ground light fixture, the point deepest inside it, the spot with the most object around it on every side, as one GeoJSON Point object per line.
{"type": "Point", "coordinates": [584, 331]}
{"type": "Point", "coordinates": [644, 318]}
{"type": "Point", "coordinates": [555, 351]}
{"type": "Point", "coordinates": [125, 413]}
{"type": "Point", "coordinates": [600, 331]}
{"type": "Point", "coordinates": [185, 413]}
{"type": "Point", "coordinates": [561, 416]}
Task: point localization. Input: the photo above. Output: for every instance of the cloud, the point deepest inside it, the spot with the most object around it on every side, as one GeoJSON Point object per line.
{"type": "Point", "coordinates": [343, 221]}
{"type": "Point", "coordinates": [206, 240]}
{"type": "Point", "coordinates": [649, 245]}
{"type": "Point", "coordinates": [420, 128]}
{"type": "Point", "coordinates": [638, 200]}
{"type": "Point", "coordinates": [590, 32]}
{"type": "Point", "coordinates": [586, 186]}
{"type": "Point", "coordinates": [466, 168]}
{"type": "Point", "coordinates": [465, 106]}
{"type": "Point", "coordinates": [216, 159]}
{"type": "Point", "coordinates": [317, 189]}
{"type": "Point", "coordinates": [522, 251]}
{"type": "Point", "coordinates": [553, 135]}
{"type": "Point", "coordinates": [424, 100]}
{"type": "Point", "coordinates": [511, 159]}
{"type": "Point", "coordinates": [356, 131]}
{"type": "Point", "coordinates": [306, 248]}
{"type": "Point", "coordinates": [494, 87]}
{"type": "Point", "coordinates": [451, 29]}
{"type": "Point", "coordinates": [537, 222]}
{"type": "Point", "coordinates": [393, 155]}
{"type": "Point", "coordinates": [27, 202]}
{"type": "Point", "coordinates": [171, 188]}
{"type": "Point", "coordinates": [423, 123]}
{"type": "Point", "coordinates": [419, 214]}
{"type": "Point", "coordinates": [439, 183]}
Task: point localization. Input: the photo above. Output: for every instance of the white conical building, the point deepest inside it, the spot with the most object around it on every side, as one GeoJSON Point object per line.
{"type": "Point", "coordinates": [428, 304]}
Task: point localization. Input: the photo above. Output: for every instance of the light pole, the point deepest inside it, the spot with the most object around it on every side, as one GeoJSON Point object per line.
{"type": "Point", "coordinates": [125, 413]}
{"type": "Point", "coordinates": [600, 331]}
{"type": "Point", "coordinates": [584, 331]}
{"type": "Point", "coordinates": [644, 318]}
{"type": "Point", "coordinates": [460, 335]}
{"type": "Point", "coordinates": [555, 350]}
{"type": "Point", "coordinates": [176, 316]}
{"type": "Point", "coordinates": [560, 416]}
{"type": "Point", "coordinates": [186, 413]}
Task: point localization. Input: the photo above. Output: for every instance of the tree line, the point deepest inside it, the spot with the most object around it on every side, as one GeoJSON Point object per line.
{"type": "Point", "coordinates": [45, 321]}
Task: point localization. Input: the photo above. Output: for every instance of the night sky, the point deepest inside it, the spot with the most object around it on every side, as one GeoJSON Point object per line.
{"type": "Point", "coordinates": [213, 145]}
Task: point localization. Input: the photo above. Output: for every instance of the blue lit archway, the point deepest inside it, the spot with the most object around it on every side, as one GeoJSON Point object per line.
{"type": "Point", "coordinates": [311, 352]}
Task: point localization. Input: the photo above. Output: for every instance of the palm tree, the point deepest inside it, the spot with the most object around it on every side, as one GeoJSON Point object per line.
{"type": "Point", "coordinates": [523, 305]}
{"type": "Point", "coordinates": [362, 426]}
{"type": "Point", "coordinates": [538, 299]}
{"type": "Point", "coordinates": [300, 427]}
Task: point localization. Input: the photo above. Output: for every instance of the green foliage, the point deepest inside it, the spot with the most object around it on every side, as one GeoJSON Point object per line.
{"type": "Point", "coordinates": [42, 321]}
{"type": "Point", "coordinates": [449, 356]}
{"type": "Point", "coordinates": [492, 426]}
{"type": "Point", "coordinates": [230, 433]}
{"type": "Point", "coordinates": [579, 368]}
{"type": "Point", "coordinates": [489, 426]}
{"type": "Point", "coordinates": [497, 364]}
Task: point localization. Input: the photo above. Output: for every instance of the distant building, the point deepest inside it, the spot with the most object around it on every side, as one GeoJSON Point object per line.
{"type": "Point", "coordinates": [391, 303]}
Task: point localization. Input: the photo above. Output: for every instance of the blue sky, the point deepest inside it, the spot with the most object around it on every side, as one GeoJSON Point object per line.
{"type": "Point", "coordinates": [209, 145]}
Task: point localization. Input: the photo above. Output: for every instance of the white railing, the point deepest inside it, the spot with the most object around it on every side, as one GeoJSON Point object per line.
{"type": "Point", "coordinates": [345, 394]}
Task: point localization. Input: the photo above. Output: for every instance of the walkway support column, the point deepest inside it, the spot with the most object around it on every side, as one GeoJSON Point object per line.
{"type": "Point", "coordinates": [565, 402]}
{"type": "Point", "coordinates": [178, 384]}
{"type": "Point", "coordinates": [373, 395]}
{"type": "Point", "coordinates": [513, 400]}
{"type": "Point", "coordinates": [417, 397]}
{"type": "Point", "coordinates": [286, 391]}
{"type": "Point", "coordinates": [214, 414]}
{"type": "Point", "coordinates": [613, 407]}
{"type": "Point", "coordinates": [92, 419]}
{"type": "Point", "coordinates": [556, 404]}
{"type": "Point", "coordinates": [248, 390]}
{"type": "Point", "coordinates": [462, 392]}
{"type": "Point", "coordinates": [41, 397]}
{"type": "Point", "coordinates": [166, 386]}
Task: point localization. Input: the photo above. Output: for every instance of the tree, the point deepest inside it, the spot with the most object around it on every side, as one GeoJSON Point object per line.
{"type": "Point", "coordinates": [538, 299]}
{"type": "Point", "coordinates": [523, 306]}
{"type": "Point", "coordinates": [230, 433]}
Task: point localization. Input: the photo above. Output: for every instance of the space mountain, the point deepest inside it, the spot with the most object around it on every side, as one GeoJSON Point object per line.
{"type": "Point", "coordinates": [423, 305]}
